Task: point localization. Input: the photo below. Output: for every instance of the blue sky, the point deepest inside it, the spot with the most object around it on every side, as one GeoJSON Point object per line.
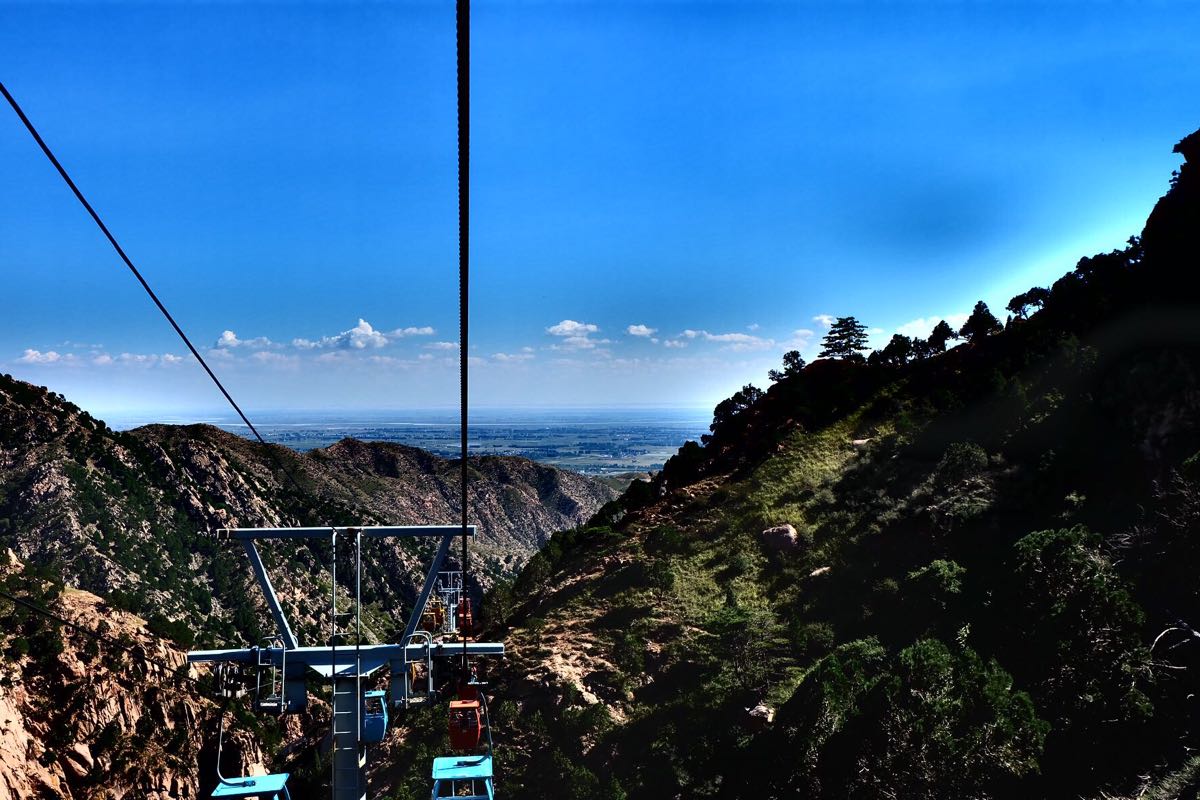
{"type": "Point", "coordinates": [666, 195]}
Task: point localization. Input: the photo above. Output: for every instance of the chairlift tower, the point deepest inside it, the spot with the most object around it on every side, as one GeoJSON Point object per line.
{"type": "Point", "coordinates": [450, 590]}
{"type": "Point", "coordinates": [281, 663]}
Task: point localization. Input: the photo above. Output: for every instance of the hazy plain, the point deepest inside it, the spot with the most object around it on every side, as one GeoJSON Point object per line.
{"type": "Point", "coordinates": [596, 441]}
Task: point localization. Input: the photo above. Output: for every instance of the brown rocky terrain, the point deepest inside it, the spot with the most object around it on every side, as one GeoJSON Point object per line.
{"type": "Point", "coordinates": [107, 716]}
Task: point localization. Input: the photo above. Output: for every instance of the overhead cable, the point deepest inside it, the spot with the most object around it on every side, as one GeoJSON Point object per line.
{"type": "Point", "coordinates": [142, 280]}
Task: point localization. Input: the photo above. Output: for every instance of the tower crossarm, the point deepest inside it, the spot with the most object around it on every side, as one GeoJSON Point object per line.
{"type": "Point", "coordinates": [367, 531]}
{"type": "Point", "coordinates": [325, 659]}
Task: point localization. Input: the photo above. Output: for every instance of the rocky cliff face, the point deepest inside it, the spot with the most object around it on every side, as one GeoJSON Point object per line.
{"type": "Point", "coordinates": [122, 514]}
{"type": "Point", "coordinates": [119, 716]}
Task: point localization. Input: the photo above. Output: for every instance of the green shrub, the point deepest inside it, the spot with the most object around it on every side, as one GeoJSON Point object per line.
{"type": "Point", "coordinates": [936, 585]}
{"type": "Point", "coordinates": [961, 460]}
{"type": "Point", "coordinates": [811, 640]}
{"type": "Point", "coordinates": [18, 647]}
{"type": "Point", "coordinates": [534, 576]}
{"type": "Point", "coordinates": [665, 541]}
{"type": "Point", "coordinates": [944, 724]}
{"type": "Point", "coordinates": [932, 722]}
{"type": "Point", "coordinates": [1080, 630]}
{"type": "Point", "coordinates": [661, 576]}
{"type": "Point", "coordinates": [629, 653]}
{"type": "Point", "coordinates": [589, 720]}
{"type": "Point", "coordinates": [175, 630]}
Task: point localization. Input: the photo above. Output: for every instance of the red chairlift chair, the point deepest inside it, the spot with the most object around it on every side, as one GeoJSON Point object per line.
{"type": "Point", "coordinates": [466, 622]}
{"type": "Point", "coordinates": [466, 724]}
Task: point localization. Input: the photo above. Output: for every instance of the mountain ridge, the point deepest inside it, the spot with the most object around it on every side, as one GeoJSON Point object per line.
{"type": "Point", "coordinates": [122, 513]}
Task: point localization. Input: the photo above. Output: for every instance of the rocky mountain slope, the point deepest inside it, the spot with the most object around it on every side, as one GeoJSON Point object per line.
{"type": "Point", "coordinates": [107, 716]}
{"type": "Point", "coordinates": [121, 514]}
{"type": "Point", "coordinates": [970, 574]}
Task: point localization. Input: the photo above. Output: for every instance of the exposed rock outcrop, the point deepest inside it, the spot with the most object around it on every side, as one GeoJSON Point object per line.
{"type": "Point", "coordinates": [115, 717]}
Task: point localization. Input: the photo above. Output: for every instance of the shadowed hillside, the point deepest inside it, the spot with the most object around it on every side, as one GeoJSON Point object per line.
{"type": "Point", "coordinates": [931, 572]}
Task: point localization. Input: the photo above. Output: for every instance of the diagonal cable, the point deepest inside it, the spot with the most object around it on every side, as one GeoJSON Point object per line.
{"type": "Point", "coordinates": [142, 280]}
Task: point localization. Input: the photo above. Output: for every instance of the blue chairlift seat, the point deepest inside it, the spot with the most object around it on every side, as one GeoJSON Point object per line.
{"type": "Point", "coordinates": [263, 787]}
{"type": "Point", "coordinates": [374, 716]}
{"type": "Point", "coordinates": [452, 774]}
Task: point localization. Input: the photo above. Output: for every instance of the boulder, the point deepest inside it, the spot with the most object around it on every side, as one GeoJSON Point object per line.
{"type": "Point", "coordinates": [82, 753]}
{"type": "Point", "coordinates": [781, 539]}
{"type": "Point", "coordinates": [759, 718]}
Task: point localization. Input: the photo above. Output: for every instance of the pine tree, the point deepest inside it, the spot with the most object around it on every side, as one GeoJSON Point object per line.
{"type": "Point", "coordinates": [846, 338]}
{"type": "Point", "coordinates": [941, 333]}
{"type": "Point", "coordinates": [898, 351]}
{"type": "Point", "coordinates": [981, 323]}
{"type": "Point", "coordinates": [1035, 297]}
{"type": "Point", "coordinates": [793, 365]}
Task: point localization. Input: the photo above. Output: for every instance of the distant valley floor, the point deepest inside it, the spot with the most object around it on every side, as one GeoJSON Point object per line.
{"type": "Point", "coordinates": [600, 442]}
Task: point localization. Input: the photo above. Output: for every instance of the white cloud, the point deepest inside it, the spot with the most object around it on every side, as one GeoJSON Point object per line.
{"type": "Point", "coordinates": [441, 346]}
{"type": "Point", "coordinates": [740, 338]}
{"type": "Point", "coordinates": [737, 342]}
{"type": "Point", "coordinates": [426, 357]}
{"type": "Point", "coordinates": [140, 359]}
{"type": "Point", "coordinates": [641, 330]}
{"type": "Point", "coordinates": [575, 335]}
{"type": "Point", "coordinates": [824, 319]}
{"type": "Point", "coordinates": [38, 357]}
{"type": "Point", "coordinates": [753, 326]}
{"type": "Point", "coordinates": [229, 339]}
{"type": "Point", "coordinates": [144, 359]}
{"type": "Point", "coordinates": [579, 343]}
{"type": "Point", "coordinates": [512, 357]}
{"type": "Point", "coordinates": [277, 359]}
{"type": "Point", "coordinates": [102, 360]}
{"type": "Point", "coordinates": [569, 327]}
{"type": "Point", "coordinates": [675, 344]}
{"type": "Point", "coordinates": [751, 346]}
{"type": "Point", "coordinates": [923, 325]}
{"type": "Point", "coordinates": [360, 337]}
{"type": "Point", "coordinates": [395, 363]}
{"type": "Point", "coordinates": [801, 339]}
